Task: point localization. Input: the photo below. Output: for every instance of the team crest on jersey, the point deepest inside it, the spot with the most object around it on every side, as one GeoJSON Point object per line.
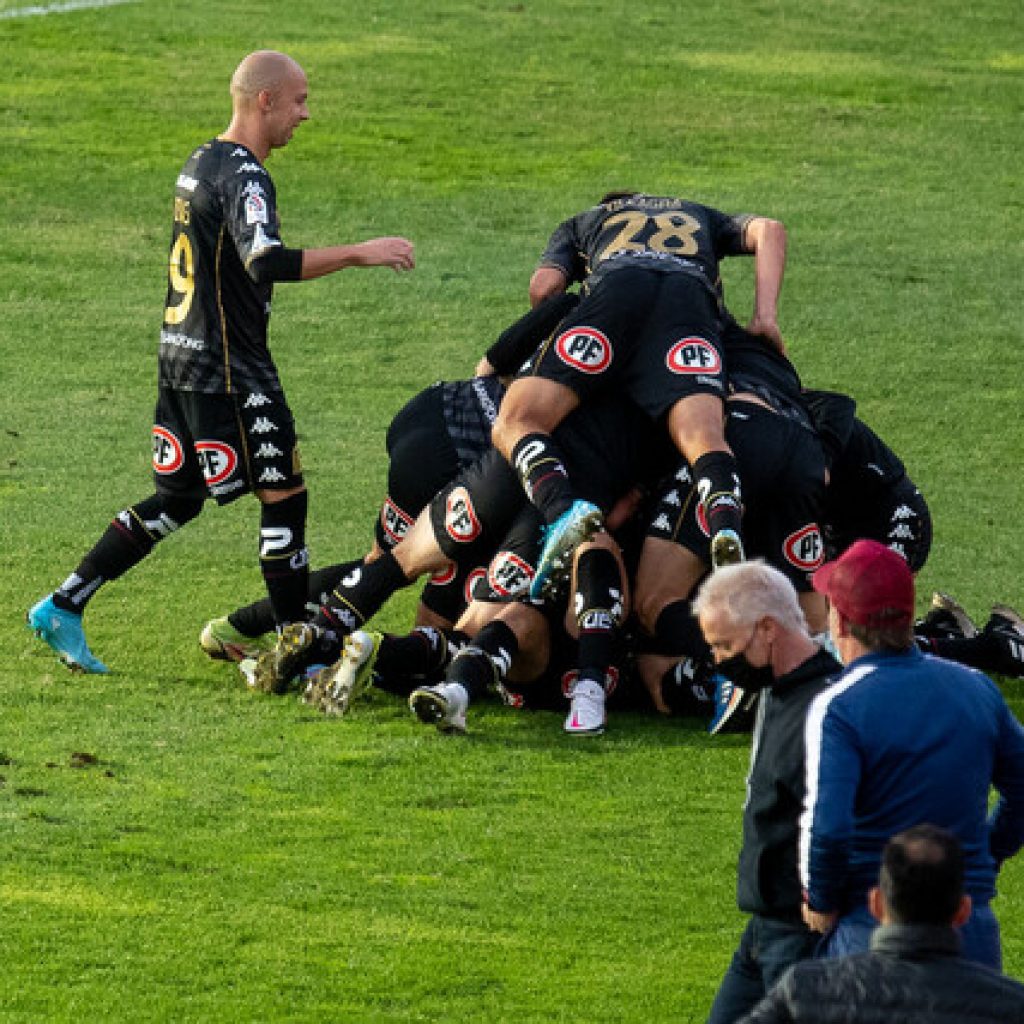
{"type": "Point", "coordinates": [394, 521]}
{"type": "Point", "coordinates": [167, 451]}
{"type": "Point", "coordinates": [460, 518]}
{"type": "Point", "coordinates": [444, 576]}
{"type": "Point", "coordinates": [218, 460]}
{"type": "Point", "coordinates": [585, 349]}
{"type": "Point", "coordinates": [694, 355]}
{"type": "Point", "coordinates": [804, 548]}
{"type": "Point", "coordinates": [478, 574]}
{"type": "Point", "coordinates": [508, 575]}
{"type": "Point", "coordinates": [255, 203]}
{"type": "Point", "coordinates": [611, 681]}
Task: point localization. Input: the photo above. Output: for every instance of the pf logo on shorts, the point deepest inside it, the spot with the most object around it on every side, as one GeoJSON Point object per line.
{"type": "Point", "coordinates": [804, 548]}
{"type": "Point", "coordinates": [508, 575]}
{"type": "Point", "coordinates": [460, 519]}
{"type": "Point", "coordinates": [167, 453]}
{"type": "Point", "coordinates": [693, 355]}
{"type": "Point", "coordinates": [478, 574]}
{"type": "Point", "coordinates": [218, 460]}
{"type": "Point", "coordinates": [444, 576]}
{"type": "Point", "coordinates": [585, 349]}
{"type": "Point", "coordinates": [394, 521]}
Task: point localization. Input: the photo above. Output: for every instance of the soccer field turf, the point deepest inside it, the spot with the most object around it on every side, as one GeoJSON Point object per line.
{"type": "Point", "coordinates": [178, 848]}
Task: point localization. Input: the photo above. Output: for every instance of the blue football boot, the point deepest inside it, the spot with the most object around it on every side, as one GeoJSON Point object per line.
{"type": "Point", "coordinates": [63, 631]}
{"type": "Point", "coordinates": [561, 539]}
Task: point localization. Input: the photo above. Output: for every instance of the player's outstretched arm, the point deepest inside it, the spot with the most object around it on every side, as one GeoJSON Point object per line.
{"type": "Point", "coordinates": [397, 253]}
{"type": "Point", "coordinates": [766, 239]}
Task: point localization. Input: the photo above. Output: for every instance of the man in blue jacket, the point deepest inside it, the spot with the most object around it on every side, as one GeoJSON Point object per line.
{"type": "Point", "coordinates": [901, 737]}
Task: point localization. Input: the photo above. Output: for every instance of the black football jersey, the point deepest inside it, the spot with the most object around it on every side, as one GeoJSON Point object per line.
{"type": "Point", "coordinates": [214, 335]}
{"type": "Point", "coordinates": [660, 232]}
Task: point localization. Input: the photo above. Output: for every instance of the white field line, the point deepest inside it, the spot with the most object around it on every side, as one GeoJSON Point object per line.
{"type": "Point", "coordinates": [61, 8]}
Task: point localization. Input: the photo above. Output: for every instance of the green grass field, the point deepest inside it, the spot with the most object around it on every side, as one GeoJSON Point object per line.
{"type": "Point", "coordinates": [175, 848]}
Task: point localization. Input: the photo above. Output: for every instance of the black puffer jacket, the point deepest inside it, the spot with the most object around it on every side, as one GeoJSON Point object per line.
{"type": "Point", "coordinates": [913, 975]}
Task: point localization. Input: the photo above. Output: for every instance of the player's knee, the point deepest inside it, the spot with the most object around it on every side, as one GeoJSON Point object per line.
{"type": "Point", "coordinates": [269, 497]}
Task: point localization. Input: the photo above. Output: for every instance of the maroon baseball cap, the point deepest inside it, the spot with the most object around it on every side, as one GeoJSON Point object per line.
{"type": "Point", "coordinates": [870, 584]}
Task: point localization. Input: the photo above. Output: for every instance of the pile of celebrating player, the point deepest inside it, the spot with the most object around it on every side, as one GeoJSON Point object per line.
{"type": "Point", "coordinates": [634, 502]}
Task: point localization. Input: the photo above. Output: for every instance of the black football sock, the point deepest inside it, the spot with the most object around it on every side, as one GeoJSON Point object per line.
{"type": "Point", "coordinates": [718, 482]}
{"type": "Point", "coordinates": [284, 560]}
{"type": "Point", "coordinates": [483, 664]}
{"type": "Point", "coordinates": [258, 618]}
{"type": "Point", "coordinates": [687, 690]}
{"type": "Point", "coordinates": [987, 652]}
{"type": "Point", "coordinates": [360, 594]}
{"type": "Point", "coordinates": [130, 537]}
{"type": "Point", "coordinates": [677, 632]}
{"type": "Point", "coordinates": [599, 604]}
{"type": "Point", "coordinates": [403, 662]}
{"type": "Point", "coordinates": [538, 462]}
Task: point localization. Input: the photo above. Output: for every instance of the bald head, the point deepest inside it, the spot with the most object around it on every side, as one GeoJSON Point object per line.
{"type": "Point", "coordinates": [264, 70]}
{"type": "Point", "coordinates": [268, 101]}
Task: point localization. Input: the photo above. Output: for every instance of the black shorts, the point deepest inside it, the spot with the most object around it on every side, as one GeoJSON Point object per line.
{"type": "Point", "coordinates": [448, 592]}
{"type": "Point", "coordinates": [782, 469]}
{"type": "Point", "coordinates": [422, 459]}
{"type": "Point", "coordinates": [652, 334]}
{"type": "Point", "coordinates": [898, 518]}
{"type": "Point", "coordinates": [223, 446]}
{"type": "Point", "coordinates": [483, 518]}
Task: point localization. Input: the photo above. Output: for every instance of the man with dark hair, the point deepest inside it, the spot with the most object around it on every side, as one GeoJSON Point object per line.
{"type": "Point", "coordinates": [901, 736]}
{"type": "Point", "coordinates": [222, 426]}
{"type": "Point", "coordinates": [751, 618]}
{"type": "Point", "coordinates": [914, 972]}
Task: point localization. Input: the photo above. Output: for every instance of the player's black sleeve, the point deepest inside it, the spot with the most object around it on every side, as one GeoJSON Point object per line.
{"type": "Point", "coordinates": [517, 343]}
{"type": "Point", "coordinates": [276, 264]}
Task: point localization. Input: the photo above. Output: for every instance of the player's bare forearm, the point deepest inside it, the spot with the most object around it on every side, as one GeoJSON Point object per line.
{"type": "Point", "coordinates": [766, 238]}
{"type": "Point", "coordinates": [397, 253]}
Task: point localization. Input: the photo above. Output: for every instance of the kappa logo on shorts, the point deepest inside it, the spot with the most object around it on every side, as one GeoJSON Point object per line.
{"type": "Point", "coordinates": [611, 681]}
{"type": "Point", "coordinates": [804, 548]}
{"type": "Point", "coordinates": [693, 355]}
{"type": "Point", "coordinates": [508, 575]}
{"type": "Point", "coordinates": [460, 518]}
{"type": "Point", "coordinates": [218, 460]}
{"type": "Point", "coordinates": [585, 349]}
{"type": "Point", "coordinates": [444, 576]}
{"type": "Point", "coordinates": [168, 454]}
{"type": "Point", "coordinates": [394, 521]}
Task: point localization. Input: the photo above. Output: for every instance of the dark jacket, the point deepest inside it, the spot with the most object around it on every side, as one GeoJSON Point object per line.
{"type": "Point", "coordinates": [767, 879]}
{"type": "Point", "coordinates": [914, 974]}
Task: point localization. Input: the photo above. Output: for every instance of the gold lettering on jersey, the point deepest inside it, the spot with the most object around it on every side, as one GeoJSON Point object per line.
{"type": "Point", "coordinates": [182, 210]}
{"type": "Point", "coordinates": [181, 275]}
{"type": "Point", "coordinates": [670, 233]}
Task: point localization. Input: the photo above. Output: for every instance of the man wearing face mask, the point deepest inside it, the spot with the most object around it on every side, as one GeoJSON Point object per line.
{"type": "Point", "coordinates": [751, 618]}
